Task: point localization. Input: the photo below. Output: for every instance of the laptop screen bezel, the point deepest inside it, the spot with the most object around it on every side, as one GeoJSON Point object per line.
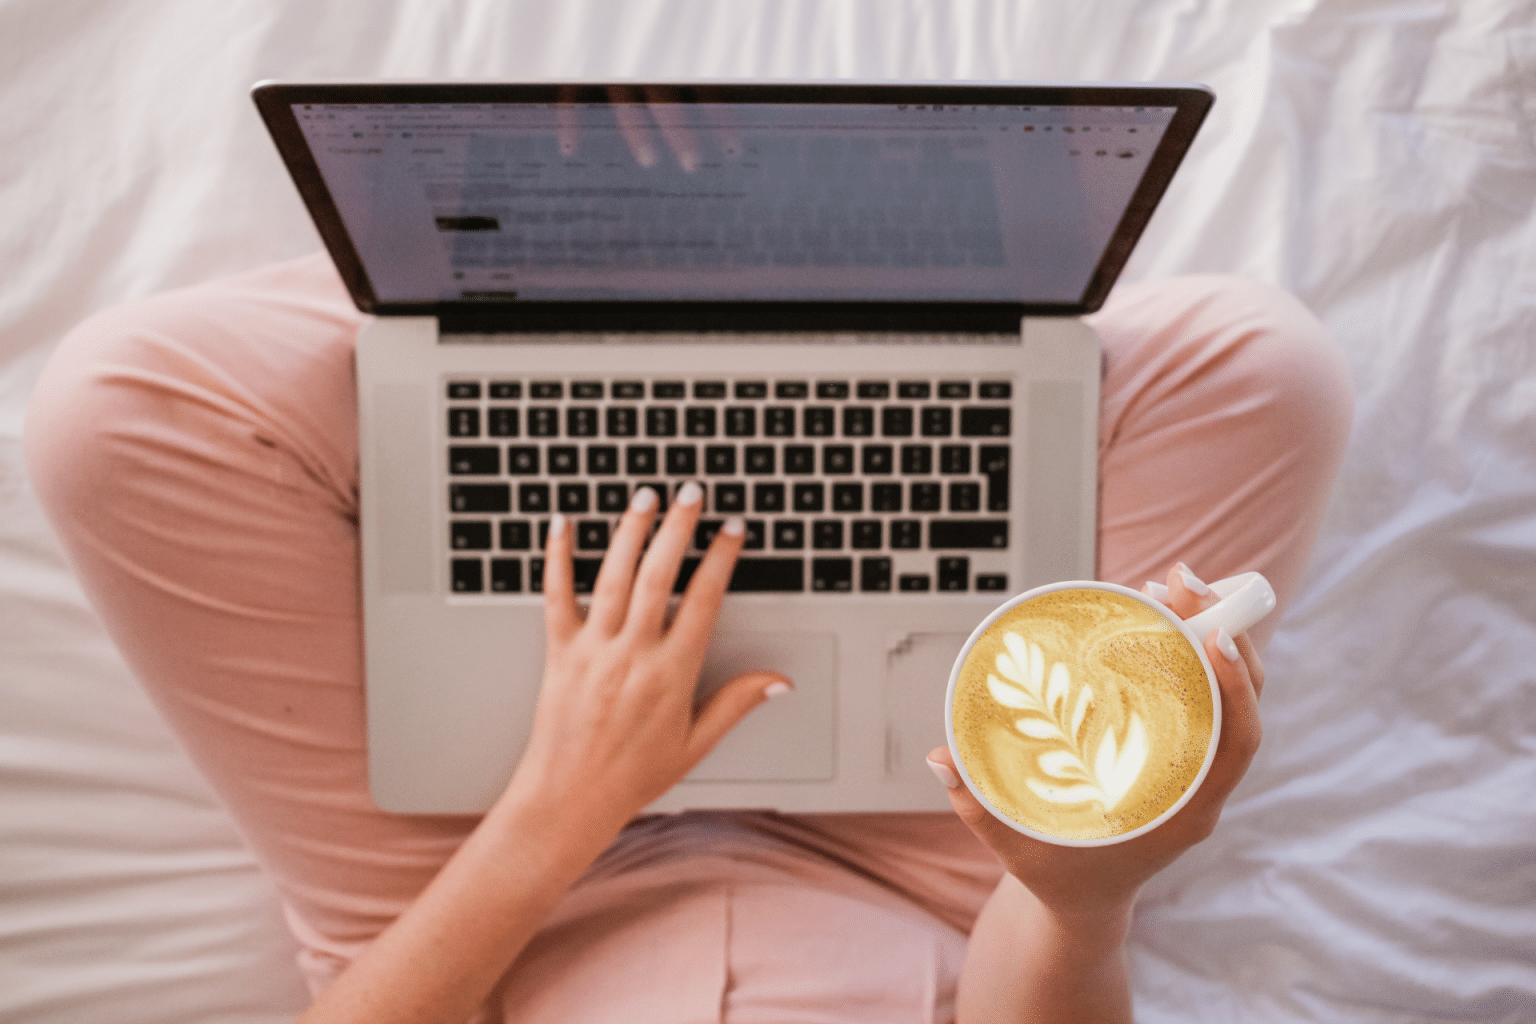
{"type": "Point", "coordinates": [275, 102]}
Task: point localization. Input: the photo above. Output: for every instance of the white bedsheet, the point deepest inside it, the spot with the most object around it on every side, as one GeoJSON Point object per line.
{"type": "Point", "coordinates": [1377, 157]}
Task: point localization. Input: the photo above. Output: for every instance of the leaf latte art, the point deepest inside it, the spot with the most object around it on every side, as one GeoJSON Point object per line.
{"type": "Point", "coordinates": [1082, 714]}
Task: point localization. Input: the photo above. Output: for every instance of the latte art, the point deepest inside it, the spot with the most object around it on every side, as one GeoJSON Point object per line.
{"type": "Point", "coordinates": [1082, 714]}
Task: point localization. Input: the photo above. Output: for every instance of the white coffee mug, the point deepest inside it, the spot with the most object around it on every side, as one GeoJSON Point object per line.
{"type": "Point", "coordinates": [1244, 600]}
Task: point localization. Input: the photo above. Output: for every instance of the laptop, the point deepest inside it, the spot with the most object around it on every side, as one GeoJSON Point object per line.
{"type": "Point", "coordinates": [849, 311]}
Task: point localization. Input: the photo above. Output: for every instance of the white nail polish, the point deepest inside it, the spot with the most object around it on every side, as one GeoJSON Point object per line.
{"type": "Point", "coordinates": [556, 525]}
{"type": "Point", "coordinates": [1194, 583]}
{"type": "Point", "coordinates": [690, 494]}
{"type": "Point", "coordinates": [1156, 591]}
{"type": "Point", "coordinates": [734, 526]}
{"type": "Point", "coordinates": [643, 501]}
{"type": "Point", "coordinates": [778, 689]}
{"type": "Point", "coordinates": [1227, 646]}
{"type": "Point", "coordinates": [944, 773]}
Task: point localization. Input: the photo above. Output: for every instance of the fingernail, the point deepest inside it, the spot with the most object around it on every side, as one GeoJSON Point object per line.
{"type": "Point", "coordinates": [944, 773]}
{"type": "Point", "coordinates": [735, 526]}
{"type": "Point", "coordinates": [1192, 581]}
{"type": "Point", "coordinates": [1156, 591]}
{"type": "Point", "coordinates": [643, 501]}
{"type": "Point", "coordinates": [689, 162]}
{"type": "Point", "coordinates": [779, 689]}
{"type": "Point", "coordinates": [689, 494]}
{"type": "Point", "coordinates": [1226, 645]}
{"type": "Point", "coordinates": [556, 525]}
{"type": "Point", "coordinates": [645, 156]}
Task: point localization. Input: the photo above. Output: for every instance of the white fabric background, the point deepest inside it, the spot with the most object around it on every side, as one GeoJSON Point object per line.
{"type": "Point", "coordinates": [1378, 157]}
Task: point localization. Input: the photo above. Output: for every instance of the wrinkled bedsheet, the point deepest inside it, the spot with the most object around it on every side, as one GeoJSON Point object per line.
{"type": "Point", "coordinates": [1377, 157]}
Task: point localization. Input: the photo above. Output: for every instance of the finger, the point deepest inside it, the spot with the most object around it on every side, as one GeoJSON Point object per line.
{"type": "Point", "coordinates": [633, 123]}
{"type": "Point", "coordinates": [671, 118]}
{"type": "Point", "coordinates": [561, 616]}
{"type": "Point", "coordinates": [729, 705]}
{"type": "Point", "coordinates": [1251, 659]}
{"type": "Point", "coordinates": [706, 590]}
{"type": "Point", "coordinates": [1240, 728]}
{"type": "Point", "coordinates": [610, 594]}
{"type": "Point", "coordinates": [566, 134]}
{"type": "Point", "coordinates": [658, 569]}
{"type": "Point", "coordinates": [999, 838]}
{"type": "Point", "coordinates": [1187, 594]}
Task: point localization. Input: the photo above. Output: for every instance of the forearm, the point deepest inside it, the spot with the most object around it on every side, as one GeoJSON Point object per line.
{"type": "Point", "coordinates": [1025, 963]}
{"type": "Point", "coordinates": [441, 958]}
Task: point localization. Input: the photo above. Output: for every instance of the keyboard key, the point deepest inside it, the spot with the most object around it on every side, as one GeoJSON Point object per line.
{"type": "Point", "coordinates": [682, 460]}
{"type": "Point", "coordinates": [874, 389]}
{"type": "Point", "coordinates": [612, 498]}
{"type": "Point", "coordinates": [740, 421]}
{"type": "Point", "coordinates": [704, 532]}
{"type": "Point", "coordinates": [502, 421]}
{"type": "Point", "coordinates": [991, 581]}
{"type": "Point", "coordinates": [581, 421]}
{"type": "Point", "coordinates": [906, 534]}
{"type": "Point", "coordinates": [832, 575]}
{"type": "Point", "coordinates": [592, 535]}
{"type": "Point", "coordinates": [799, 459]}
{"type": "Point", "coordinates": [973, 534]}
{"type": "Point", "coordinates": [516, 535]}
{"type": "Point", "coordinates": [819, 421]}
{"type": "Point", "coordinates": [523, 460]}
{"type": "Point", "coordinates": [759, 459]}
{"type": "Point", "coordinates": [564, 460]}
{"type": "Point", "coordinates": [917, 459]}
{"type": "Point", "coordinates": [926, 496]}
{"type": "Point", "coordinates": [837, 459]}
{"type": "Point", "coordinates": [858, 421]}
{"type": "Point", "coordinates": [788, 534]}
{"type": "Point", "coordinates": [602, 460]}
{"type": "Point", "coordinates": [699, 421]}
{"type": "Point", "coordinates": [995, 389]}
{"type": "Point", "coordinates": [885, 497]}
{"type": "Point", "coordinates": [587, 390]}
{"type": "Point", "coordinates": [730, 498]}
{"type": "Point", "coordinates": [532, 498]}
{"type": "Point", "coordinates": [506, 389]}
{"type": "Point", "coordinates": [623, 420]}
{"type": "Point", "coordinates": [866, 535]}
{"type": "Point", "coordinates": [954, 574]}
{"type": "Point", "coordinates": [913, 389]}
{"type": "Point", "coordinates": [543, 421]}
{"type": "Point", "coordinates": [954, 389]}
{"type": "Point", "coordinates": [964, 496]}
{"type": "Point", "coordinates": [788, 389]}
{"type": "Point", "coordinates": [463, 422]}
{"type": "Point", "coordinates": [874, 575]}
{"type": "Point", "coordinates": [833, 389]}
{"type": "Point", "coordinates": [640, 460]}
{"type": "Point", "coordinates": [914, 582]}
{"type": "Point", "coordinates": [468, 576]}
{"type": "Point", "coordinates": [938, 421]}
{"type": "Point", "coordinates": [779, 421]}
{"type": "Point", "coordinates": [768, 575]}
{"type": "Point", "coordinates": [706, 389]}
{"type": "Point", "coordinates": [474, 460]}
{"type": "Point", "coordinates": [810, 497]}
{"type": "Point", "coordinates": [876, 459]}
{"type": "Point", "coordinates": [574, 498]}
{"type": "Point", "coordinates": [896, 421]}
{"type": "Point", "coordinates": [628, 390]}
{"type": "Point", "coordinates": [462, 389]}
{"type": "Point", "coordinates": [660, 421]}
{"type": "Point", "coordinates": [479, 498]}
{"type": "Point", "coordinates": [847, 497]}
{"type": "Point", "coordinates": [955, 458]}
{"type": "Point", "coordinates": [506, 575]}
{"type": "Point", "coordinates": [685, 573]}
{"type": "Point", "coordinates": [584, 574]}
{"type": "Point", "coordinates": [749, 389]}
{"type": "Point", "coordinates": [985, 421]}
{"type": "Point", "coordinates": [548, 389]}
{"type": "Point", "coordinates": [668, 389]}
{"type": "Point", "coordinates": [768, 497]}
{"type": "Point", "coordinates": [993, 464]}
{"type": "Point", "coordinates": [720, 460]}
{"type": "Point", "coordinates": [826, 534]}
{"type": "Point", "coordinates": [469, 535]}
{"type": "Point", "coordinates": [755, 537]}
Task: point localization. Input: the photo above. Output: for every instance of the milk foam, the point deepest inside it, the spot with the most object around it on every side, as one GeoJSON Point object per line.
{"type": "Point", "coordinates": [1082, 714]}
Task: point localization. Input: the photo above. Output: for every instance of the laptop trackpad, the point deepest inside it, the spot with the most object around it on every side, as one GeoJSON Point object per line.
{"type": "Point", "coordinates": [789, 738]}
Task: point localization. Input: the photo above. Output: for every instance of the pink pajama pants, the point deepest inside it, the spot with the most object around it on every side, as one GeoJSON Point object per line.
{"type": "Point", "coordinates": [197, 453]}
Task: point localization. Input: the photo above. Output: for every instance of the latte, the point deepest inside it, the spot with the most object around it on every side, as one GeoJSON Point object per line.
{"type": "Point", "coordinates": [1082, 714]}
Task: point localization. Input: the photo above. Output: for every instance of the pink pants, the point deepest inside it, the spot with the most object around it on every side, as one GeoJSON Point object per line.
{"type": "Point", "coordinates": [197, 452]}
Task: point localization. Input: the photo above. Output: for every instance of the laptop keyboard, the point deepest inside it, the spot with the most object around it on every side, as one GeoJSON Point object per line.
{"type": "Point", "coordinates": [869, 485]}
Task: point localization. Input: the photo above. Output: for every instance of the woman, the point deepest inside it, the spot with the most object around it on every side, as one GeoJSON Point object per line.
{"type": "Point", "coordinates": [197, 452]}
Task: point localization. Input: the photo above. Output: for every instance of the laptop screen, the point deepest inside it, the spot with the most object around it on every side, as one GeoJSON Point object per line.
{"type": "Point", "coordinates": [884, 196]}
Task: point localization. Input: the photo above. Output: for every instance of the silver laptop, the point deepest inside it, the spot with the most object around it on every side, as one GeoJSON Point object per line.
{"type": "Point", "coordinates": [847, 310]}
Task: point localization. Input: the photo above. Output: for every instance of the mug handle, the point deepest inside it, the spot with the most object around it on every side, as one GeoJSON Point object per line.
{"type": "Point", "coordinates": [1245, 599]}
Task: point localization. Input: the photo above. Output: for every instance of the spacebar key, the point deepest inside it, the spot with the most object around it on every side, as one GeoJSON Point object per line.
{"type": "Point", "coordinates": [969, 534]}
{"type": "Point", "coordinates": [768, 575]}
